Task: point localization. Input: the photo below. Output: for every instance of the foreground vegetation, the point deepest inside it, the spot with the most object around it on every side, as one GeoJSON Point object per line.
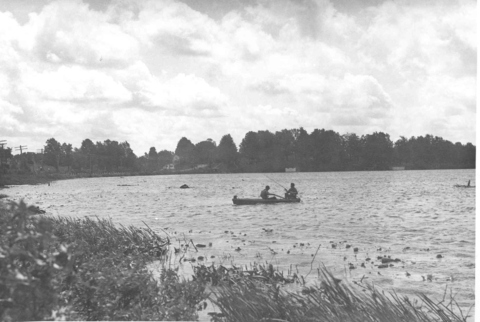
{"type": "Point", "coordinates": [85, 269]}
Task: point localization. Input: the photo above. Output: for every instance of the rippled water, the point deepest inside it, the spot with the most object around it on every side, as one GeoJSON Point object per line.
{"type": "Point", "coordinates": [410, 215]}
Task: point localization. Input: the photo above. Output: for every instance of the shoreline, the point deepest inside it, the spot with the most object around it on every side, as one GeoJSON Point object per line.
{"type": "Point", "coordinates": [44, 178]}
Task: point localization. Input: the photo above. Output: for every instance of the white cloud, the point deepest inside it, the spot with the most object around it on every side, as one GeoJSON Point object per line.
{"type": "Point", "coordinates": [75, 84]}
{"type": "Point", "coordinates": [69, 32]}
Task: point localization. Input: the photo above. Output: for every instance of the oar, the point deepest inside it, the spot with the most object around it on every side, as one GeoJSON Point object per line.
{"type": "Point", "coordinates": [278, 196]}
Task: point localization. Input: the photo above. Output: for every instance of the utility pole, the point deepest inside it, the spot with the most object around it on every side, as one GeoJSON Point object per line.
{"type": "Point", "coordinates": [21, 148]}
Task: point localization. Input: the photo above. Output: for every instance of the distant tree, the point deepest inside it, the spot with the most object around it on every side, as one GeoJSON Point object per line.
{"type": "Point", "coordinates": [186, 152]}
{"type": "Point", "coordinates": [327, 150]}
{"type": "Point", "coordinates": [352, 146]}
{"type": "Point", "coordinates": [127, 157]}
{"type": "Point", "coordinates": [266, 152]}
{"type": "Point", "coordinates": [66, 157]}
{"type": "Point", "coordinates": [205, 151]}
{"type": "Point", "coordinates": [226, 153]}
{"type": "Point", "coordinates": [303, 150]}
{"type": "Point", "coordinates": [152, 154]}
{"type": "Point", "coordinates": [284, 150]}
{"type": "Point", "coordinates": [165, 157]}
{"type": "Point", "coordinates": [469, 156]}
{"type": "Point", "coordinates": [53, 153]}
{"type": "Point", "coordinates": [249, 151]}
{"type": "Point", "coordinates": [5, 154]}
{"type": "Point", "coordinates": [401, 152]}
{"type": "Point", "coordinates": [377, 151]}
{"type": "Point", "coordinates": [88, 152]}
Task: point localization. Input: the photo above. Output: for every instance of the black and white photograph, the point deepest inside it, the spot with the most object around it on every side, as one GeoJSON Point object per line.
{"type": "Point", "coordinates": [238, 160]}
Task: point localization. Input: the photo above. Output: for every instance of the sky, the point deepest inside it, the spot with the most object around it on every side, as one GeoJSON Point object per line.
{"type": "Point", "coordinates": [152, 72]}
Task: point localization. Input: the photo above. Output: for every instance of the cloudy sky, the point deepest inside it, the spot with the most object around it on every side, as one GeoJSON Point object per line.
{"type": "Point", "coordinates": [150, 72]}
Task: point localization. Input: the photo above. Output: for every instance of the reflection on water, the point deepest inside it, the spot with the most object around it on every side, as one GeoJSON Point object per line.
{"type": "Point", "coordinates": [410, 215]}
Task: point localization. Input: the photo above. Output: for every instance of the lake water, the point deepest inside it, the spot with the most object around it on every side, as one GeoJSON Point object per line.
{"type": "Point", "coordinates": [410, 215]}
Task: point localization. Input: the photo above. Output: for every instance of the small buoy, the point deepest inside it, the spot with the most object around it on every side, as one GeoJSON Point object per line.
{"type": "Point", "coordinates": [184, 186]}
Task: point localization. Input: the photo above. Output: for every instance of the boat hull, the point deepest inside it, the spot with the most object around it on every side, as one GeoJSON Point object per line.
{"type": "Point", "coordinates": [247, 201]}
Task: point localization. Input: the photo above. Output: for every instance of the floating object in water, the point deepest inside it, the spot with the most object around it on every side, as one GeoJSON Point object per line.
{"type": "Point", "coordinates": [439, 256]}
{"type": "Point", "coordinates": [464, 186]}
{"type": "Point", "coordinates": [184, 186]}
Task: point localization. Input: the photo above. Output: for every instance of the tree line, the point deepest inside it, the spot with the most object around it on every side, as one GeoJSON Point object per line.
{"type": "Point", "coordinates": [263, 151]}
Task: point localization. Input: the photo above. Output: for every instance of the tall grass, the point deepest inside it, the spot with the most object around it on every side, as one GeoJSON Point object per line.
{"type": "Point", "coordinates": [247, 299]}
{"type": "Point", "coordinates": [84, 269]}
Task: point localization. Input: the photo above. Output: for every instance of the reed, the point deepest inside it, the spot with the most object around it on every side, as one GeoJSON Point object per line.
{"type": "Point", "coordinates": [250, 299]}
{"type": "Point", "coordinates": [84, 269]}
{"type": "Point", "coordinates": [101, 235]}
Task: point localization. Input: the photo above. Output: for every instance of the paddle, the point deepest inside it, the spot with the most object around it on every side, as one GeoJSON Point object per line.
{"type": "Point", "coordinates": [278, 196]}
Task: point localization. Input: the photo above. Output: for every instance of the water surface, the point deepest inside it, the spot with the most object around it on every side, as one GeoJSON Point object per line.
{"type": "Point", "coordinates": [410, 215]}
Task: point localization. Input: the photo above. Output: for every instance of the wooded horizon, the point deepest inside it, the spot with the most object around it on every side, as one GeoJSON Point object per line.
{"type": "Point", "coordinates": [264, 151]}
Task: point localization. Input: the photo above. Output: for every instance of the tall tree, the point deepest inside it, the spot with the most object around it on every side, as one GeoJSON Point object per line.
{"type": "Point", "coordinates": [249, 151]}
{"type": "Point", "coordinates": [353, 151]}
{"type": "Point", "coordinates": [227, 153]}
{"type": "Point", "coordinates": [205, 151]}
{"type": "Point", "coordinates": [303, 150]}
{"type": "Point", "coordinates": [67, 158]}
{"type": "Point", "coordinates": [53, 153]}
{"type": "Point", "coordinates": [128, 158]}
{"type": "Point", "coordinates": [377, 151]}
{"type": "Point", "coordinates": [186, 152]}
{"type": "Point", "coordinates": [152, 154]}
{"type": "Point", "coordinates": [165, 157]}
{"type": "Point", "coordinates": [327, 150]}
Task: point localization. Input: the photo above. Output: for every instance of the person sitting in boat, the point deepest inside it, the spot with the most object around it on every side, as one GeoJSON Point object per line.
{"type": "Point", "coordinates": [264, 194]}
{"type": "Point", "coordinates": [292, 192]}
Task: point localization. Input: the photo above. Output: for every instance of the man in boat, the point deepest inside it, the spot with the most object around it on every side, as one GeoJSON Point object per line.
{"type": "Point", "coordinates": [292, 192]}
{"type": "Point", "coordinates": [264, 194]}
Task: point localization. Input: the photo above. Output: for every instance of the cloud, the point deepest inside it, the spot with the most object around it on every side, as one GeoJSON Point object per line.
{"type": "Point", "coordinates": [75, 84]}
{"type": "Point", "coordinates": [174, 28]}
{"type": "Point", "coordinates": [69, 32]}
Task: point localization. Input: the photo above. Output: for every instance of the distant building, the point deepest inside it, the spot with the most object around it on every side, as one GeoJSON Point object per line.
{"type": "Point", "coordinates": [169, 167]}
{"type": "Point", "coordinates": [290, 169]}
{"type": "Point", "coordinates": [398, 168]}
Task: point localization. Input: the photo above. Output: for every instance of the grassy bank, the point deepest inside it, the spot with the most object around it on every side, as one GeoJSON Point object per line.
{"type": "Point", "coordinates": [46, 177]}
{"type": "Point", "coordinates": [89, 269]}
{"type": "Point", "coordinates": [19, 179]}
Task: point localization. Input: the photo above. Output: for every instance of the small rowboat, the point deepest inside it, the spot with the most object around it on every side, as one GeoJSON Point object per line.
{"type": "Point", "coordinates": [250, 201]}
